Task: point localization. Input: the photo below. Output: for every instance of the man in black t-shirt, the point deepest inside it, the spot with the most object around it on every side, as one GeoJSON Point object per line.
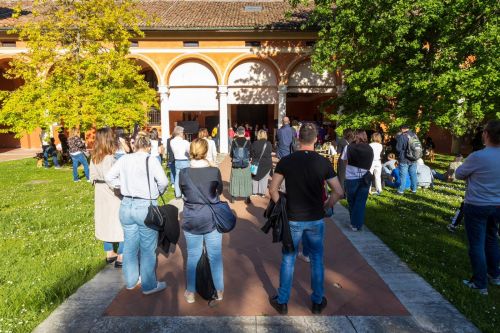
{"type": "Point", "coordinates": [305, 173]}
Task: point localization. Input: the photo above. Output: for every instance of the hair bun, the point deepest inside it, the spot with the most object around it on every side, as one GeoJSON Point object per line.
{"type": "Point", "coordinates": [143, 134]}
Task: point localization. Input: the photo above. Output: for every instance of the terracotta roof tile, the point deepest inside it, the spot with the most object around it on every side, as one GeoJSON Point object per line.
{"type": "Point", "coordinates": [200, 14]}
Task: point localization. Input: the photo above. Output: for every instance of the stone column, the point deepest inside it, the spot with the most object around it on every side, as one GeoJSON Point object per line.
{"type": "Point", "coordinates": [223, 126]}
{"type": "Point", "coordinates": [281, 103]}
{"type": "Point", "coordinates": [165, 117]}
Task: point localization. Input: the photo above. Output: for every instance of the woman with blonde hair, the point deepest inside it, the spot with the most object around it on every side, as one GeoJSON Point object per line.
{"type": "Point", "coordinates": [376, 168]}
{"type": "Point", "coordinates": [130, 175]}
{"type": "Point", "coordinates": [260, 154]}
{"type": "Point", "coordinates": [201, 186]}
{"type": "Point", "coordinates": [107, 205]}
{"type": "Point", "coordinates": [212, 149]}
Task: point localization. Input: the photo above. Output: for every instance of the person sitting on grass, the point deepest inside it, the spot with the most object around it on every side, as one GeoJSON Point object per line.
{"type": "Point", "coordinates": [395, 181]}
{"type": "Point", "coordinates": [388, 166]}
{"type": "Point", "coordinates": [449, 175]}
{"type": "Point", "coordinates": [424, 174]}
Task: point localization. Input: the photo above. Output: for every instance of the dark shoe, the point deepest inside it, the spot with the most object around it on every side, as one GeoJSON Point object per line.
{"type": "Point", "coordinates": [281, 308]}
{"type": "Point", "coordinates": [318, 308]}
{"type": "Point", "coordinates": [110, 260]}
{"type": "Point", "coordinates": [248, 201]}
{"type": "Point", "coordinates": [118, 264]}
{"type": "Point", "coordinates": [232, 199]}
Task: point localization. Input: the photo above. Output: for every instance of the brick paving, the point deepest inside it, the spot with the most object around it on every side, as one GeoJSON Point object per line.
{"type": "Point", "coordinates": [368, 288]}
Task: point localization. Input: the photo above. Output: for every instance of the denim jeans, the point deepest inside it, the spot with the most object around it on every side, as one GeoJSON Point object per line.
{"type": "Point", "coordinates": [314, 234]}
{"type": "Point", "coordinates": [213, 244]}
{"type": "Point", "coordinates": [49, 151]}
{"type": "Point", "coordinates": [109, 247]}
{"type": "Point", "coordinates": [139, 241]}
{"type": "Point", "coordinates": [179, 165]}
{"type": "Point", "coordinates": [412, 169]}
{"type": "Point", "coordinates": [305, 246]}
{"type": "Point", "coordinates": [481, 225]}
{"type": "Point", "coordinates": [357, 193]}
{"type": "Point", "coordinates": [171, 166]}
{"type": "Point", "coordinates": [77, 160]}
{"type": "Point", "coordinates": [437, 175]}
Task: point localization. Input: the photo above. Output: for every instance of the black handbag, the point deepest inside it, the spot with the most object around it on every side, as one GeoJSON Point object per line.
{"type": "Point", "coordinates": [225, 220]}
{"type": "Point", "coordinates": [154, 219]}
{"type": "Point", "coordinates": [204, 280]}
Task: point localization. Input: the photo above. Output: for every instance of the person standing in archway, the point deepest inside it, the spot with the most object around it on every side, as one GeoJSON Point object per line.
{"type": "Point", "coordinates": [285, 138]}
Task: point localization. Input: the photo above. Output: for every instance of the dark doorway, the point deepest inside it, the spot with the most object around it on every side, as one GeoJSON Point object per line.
{"type": "Point", "coordinates": [253, 114]}
{"type": "Point", "coordinates": [211, 122]}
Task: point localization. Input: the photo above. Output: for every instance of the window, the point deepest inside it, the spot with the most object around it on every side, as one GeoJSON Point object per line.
{"type": "Point", "coordinates": [310, 43]}
{"type": "Point", "coordinates": [252, 43]}
{"type": "Point", "coordinates": [253, 8]}
{"type": "Point", "coordinates": [154, 117]}
{"type": "Point", "coordinates": [134, 43]}
{"type": "Point", "coordinates": [8, 43]}
{"type": "Point", "coordinates": [191, 43]}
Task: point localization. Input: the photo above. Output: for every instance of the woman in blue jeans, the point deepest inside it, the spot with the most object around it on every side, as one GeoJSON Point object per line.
{"type": "Point", "coordinates": [359, 158]}
{"type": "Point", "coordinates": [201, 184]}
{"type": "Point", "coordinates": [77, 151]}
{"type": "Point", "coordinates": [130, 175]}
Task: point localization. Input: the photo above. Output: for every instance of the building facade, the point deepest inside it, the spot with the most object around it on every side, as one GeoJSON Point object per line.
{"type": "Point", "coordinates": [217, 63]}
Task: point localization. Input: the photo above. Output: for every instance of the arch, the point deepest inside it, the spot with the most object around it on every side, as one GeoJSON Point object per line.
{"type": "Point", "coordinates": [251, 57]}
{"type": "Point", "coordinates": [291, 66]}
{"type": "Point", "coordinates": [253, 81]}
{"type": "Point", "coordinates": [193, 86]}
{"type": "Point", "coordinates": [151, 64]}
{"type": "Point", "coordinates": [192, 56]}
{"type": "Point", "coordinates": [302, 79]}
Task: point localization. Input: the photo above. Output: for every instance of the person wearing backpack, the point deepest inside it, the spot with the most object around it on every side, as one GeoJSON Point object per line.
{"type": "Point", "coordinates": [241, 179]}
{"type": "Point", "coordinates": [409, 150]}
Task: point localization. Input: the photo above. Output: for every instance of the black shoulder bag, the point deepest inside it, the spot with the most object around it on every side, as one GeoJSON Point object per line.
{"type": "Point", "coordinates": [155, 219]}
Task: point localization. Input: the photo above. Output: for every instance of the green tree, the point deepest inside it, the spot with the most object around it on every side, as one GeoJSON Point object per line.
{"type": "Point", "coordinates": [417, 62]}
{"type": "Point", "coordinates": [75, 70]}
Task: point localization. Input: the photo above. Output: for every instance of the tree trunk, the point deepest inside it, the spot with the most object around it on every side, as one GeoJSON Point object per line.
{"type": "Point", "coordinates": [456, 144]}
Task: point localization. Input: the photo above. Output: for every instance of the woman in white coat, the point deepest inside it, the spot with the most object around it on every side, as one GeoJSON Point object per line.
{"type": "Point", "coordinates": [107, 205]}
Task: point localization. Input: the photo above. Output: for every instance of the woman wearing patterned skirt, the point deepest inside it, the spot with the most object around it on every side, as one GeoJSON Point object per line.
{"type": "Point", "coordinates": [241, 179]}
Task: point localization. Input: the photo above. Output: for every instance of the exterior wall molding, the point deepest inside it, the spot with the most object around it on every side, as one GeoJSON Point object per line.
{"type": "Point", "coordinates": [151, 63]}
{"type": "Point", "coordinates": [193, 56]}
{"type": "Point", "coordinates": [246, 50]}
{"type": "Point", "coordinates": [246, 57]}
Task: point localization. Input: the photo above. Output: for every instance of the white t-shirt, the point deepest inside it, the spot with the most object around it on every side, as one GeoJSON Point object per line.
{"type": "Point", "coordinates": [180, 148]}
{"type": "Point", "coordinates": [212, 151]}
{"type": "Point", "coordinates": [377, 152]}
{"type": "Point", "coordinates": [154, 148]}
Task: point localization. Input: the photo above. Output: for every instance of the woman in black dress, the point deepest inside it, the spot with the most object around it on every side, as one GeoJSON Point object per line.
{"type": "Point", "coordinates": [260, 154]}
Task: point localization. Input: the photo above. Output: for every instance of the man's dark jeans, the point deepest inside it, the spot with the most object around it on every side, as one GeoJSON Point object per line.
{"type": "Point", "coordinates": [481, 225]}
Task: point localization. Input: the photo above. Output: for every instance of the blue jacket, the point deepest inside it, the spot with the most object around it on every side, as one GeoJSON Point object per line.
{"type": "Point", "coordinates": [285, 137]}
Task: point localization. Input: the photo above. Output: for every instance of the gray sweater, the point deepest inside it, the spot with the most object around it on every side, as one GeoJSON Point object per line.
{"type": "Point", "coordinates": [482, 174]}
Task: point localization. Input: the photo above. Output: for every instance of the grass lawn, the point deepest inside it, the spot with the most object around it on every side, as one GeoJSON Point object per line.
{"type": "Point", "coordinates": [414, 227]}
{"type": "Point", "coordinates": [47, 244]}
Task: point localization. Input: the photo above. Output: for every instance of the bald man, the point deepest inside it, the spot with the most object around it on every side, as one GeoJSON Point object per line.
{"type": "Point", "coordinates": [285, 137]}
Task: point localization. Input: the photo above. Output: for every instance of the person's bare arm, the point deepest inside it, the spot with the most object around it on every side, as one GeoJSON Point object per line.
{"type": "Point", "coordinates": [337, 192]}
{"type": "Point", "coordinates": [275, 185]}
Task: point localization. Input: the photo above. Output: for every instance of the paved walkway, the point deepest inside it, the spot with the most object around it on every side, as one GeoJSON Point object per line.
{"type": "Point", "coordinates": [368, 288]}
{"type": "Point", "coordinates": [7, 154]}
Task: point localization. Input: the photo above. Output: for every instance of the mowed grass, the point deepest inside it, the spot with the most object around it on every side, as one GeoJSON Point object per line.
{"type": "Point", "coordinates": [414, 227]}
{"type": "Point", "coordinates": [47, 244]}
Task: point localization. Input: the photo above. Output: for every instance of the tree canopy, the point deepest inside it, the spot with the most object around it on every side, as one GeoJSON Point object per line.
{"type": "Point", "coordinates": [416, 62]}
{"type": "Point", "coordinates": [75, 70]}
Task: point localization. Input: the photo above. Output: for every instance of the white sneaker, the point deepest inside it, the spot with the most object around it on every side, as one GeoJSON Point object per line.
{"type": "Point", "coordinates": [138, 283]}
{"type": "Point", "coordinates": [159, 287]}
{"type": "Point", "coordinates": [303, 257]}
{"type": "Point", "coordinates": [189, 297]}
{"type": "Point", "coordinates": [220, 295]}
